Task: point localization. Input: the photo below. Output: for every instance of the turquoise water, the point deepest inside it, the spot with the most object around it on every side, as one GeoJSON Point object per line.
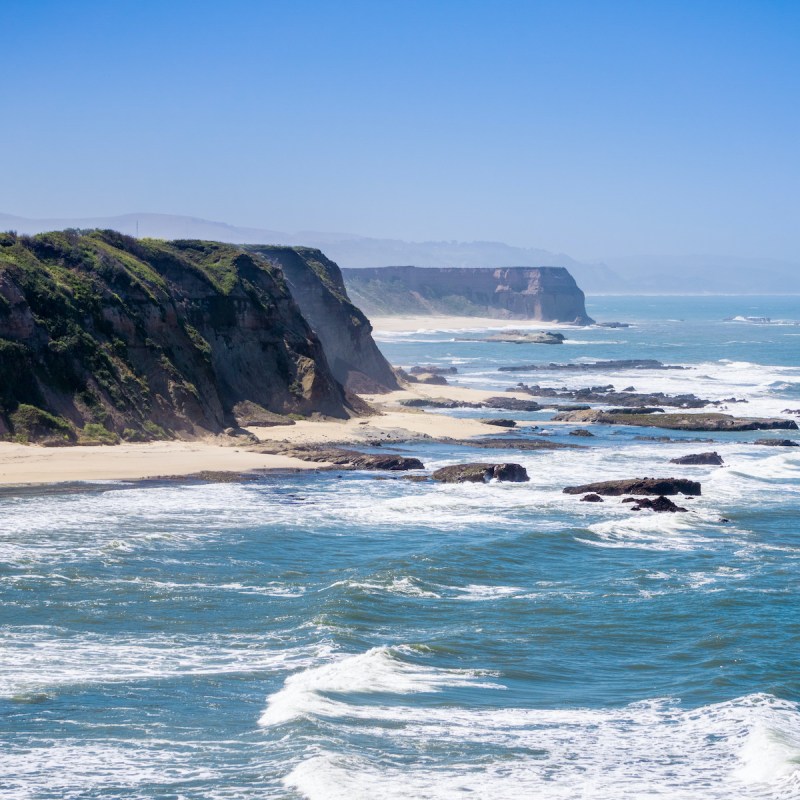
{"type": "Point", "coordinates": [335, 635]}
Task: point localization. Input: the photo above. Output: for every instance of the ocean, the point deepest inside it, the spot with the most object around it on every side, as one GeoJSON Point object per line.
{"type": "Point", "coordinates": [344, 635]}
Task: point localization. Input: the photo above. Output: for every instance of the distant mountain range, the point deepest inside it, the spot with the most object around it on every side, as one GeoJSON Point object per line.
{"type": "Point", "coordinates": [687, 274]}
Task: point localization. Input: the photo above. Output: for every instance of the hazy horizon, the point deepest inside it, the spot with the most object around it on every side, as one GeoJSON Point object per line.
{"type": "Point", "coordinates": [588, 129]}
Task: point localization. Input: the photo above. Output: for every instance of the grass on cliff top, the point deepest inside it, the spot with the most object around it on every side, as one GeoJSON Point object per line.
{"type": "Point", "coordinates": [218, 262]}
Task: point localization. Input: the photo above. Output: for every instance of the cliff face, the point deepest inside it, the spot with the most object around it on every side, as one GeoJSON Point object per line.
{"type": "Point", "coordinates": [141, 338]}
{"type": "Point", "coordinates": [538, 293]}
{"type": "Point", "coordinates": [317, 287]}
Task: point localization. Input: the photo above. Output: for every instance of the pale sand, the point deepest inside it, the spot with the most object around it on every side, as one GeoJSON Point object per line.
{"type": "Point", "coordinates": [433, 323]}
{"type": "Point", "coordinates": [24, 464]}
{"type": "Point", "coordinates": [395, 421]}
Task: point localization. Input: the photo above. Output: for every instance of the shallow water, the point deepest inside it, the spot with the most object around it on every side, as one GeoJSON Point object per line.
{"type": "Point", "coordinates": [335, 635]}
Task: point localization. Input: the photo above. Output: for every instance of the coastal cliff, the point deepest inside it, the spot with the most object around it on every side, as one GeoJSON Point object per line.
{"type": "Point", "coordinates": [536, 293]}
{"type": "Point", "coordinates": [103, 336]}
{"type": "Point", "coordinates": [317, 287]}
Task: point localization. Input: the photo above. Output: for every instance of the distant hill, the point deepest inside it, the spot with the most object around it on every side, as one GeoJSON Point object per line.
{"type": "Point", "coordinates": [347, 250]}
{"type": "Point", "coordinates": [680, 274]}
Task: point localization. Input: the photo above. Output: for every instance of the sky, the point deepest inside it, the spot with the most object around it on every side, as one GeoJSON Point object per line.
{"type": "Point", "coordinates": [591, 128]}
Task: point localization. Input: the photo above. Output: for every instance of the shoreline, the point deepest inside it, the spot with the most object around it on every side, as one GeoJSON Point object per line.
{"type": "Point", "coordinates": [34, 466]}
{"type": "Point", "coordinates": [417, 323]}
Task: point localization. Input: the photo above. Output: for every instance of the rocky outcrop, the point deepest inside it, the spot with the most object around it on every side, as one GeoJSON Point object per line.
{"type": "Point", "coordinates": [593, 366]}
{"type": "Point", "coordinates": [499, 443]}
{"type": "Point", "coordinates": [776, 443]}
{"type": "Point", "coordinates": [316, 285]}
{"type": "Point", "coordinates": [538, 293]}
{"type": "Point", "coordinates": [680, 422]}
{"type": "Point", "coordinates": [660, 505]}
{"type": "Point", "coordinates": [500, 423]}
{"type": "Point", "coordinates": [643, 402]}
{"type": "Point", "coordinates": [511, 404]}
{"type": "Point", "coordinates": [144, 339]}
{"type": "Point", "coordinates": [713, 459]}
{"type": "Point", "coordinates": [350, 459]}
{"type": "Point", "coordinates": [638, 486]}
{"type": "Point", "coordinates": [522, 337]}
{"type": "Point", "coordinates": [481, 473]}
{"type": "Point", "coordinates": [431, 369]}
{"type": "Point", "coordinates": [429, 379]}
{"type": "Point", "coordinates": [437, 402]}
{"type": "Point", "coordinates": [591, 498]}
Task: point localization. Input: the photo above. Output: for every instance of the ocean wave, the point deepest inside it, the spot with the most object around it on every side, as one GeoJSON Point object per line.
{"type": "Point", "coordinates": [377, 671]}
{"type": "Point", "coordinates": [43, 660]}
{"type": "Point", "coordinates": [744, 748]}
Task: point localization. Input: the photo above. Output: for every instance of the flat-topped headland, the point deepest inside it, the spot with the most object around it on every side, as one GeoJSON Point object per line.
{"type": "Point", "coordinates": [537, 293]}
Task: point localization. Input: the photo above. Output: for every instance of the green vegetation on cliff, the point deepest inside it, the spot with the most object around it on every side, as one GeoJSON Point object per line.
{"type": "Point", "coordinates": [103, 336]}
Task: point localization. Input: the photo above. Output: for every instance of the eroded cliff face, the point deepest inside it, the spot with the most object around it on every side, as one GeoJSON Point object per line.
{"type": "Point", "coordinates": [147, 338]}
{"type": "Point", "coordinates": [537, 293]}
{"type": "Point", "coordinates": [318, 289]}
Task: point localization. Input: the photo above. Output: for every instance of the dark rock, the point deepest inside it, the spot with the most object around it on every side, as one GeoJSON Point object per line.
{"type": "Point", "coordinates": [591, 498]}
{"type": "Point", "coordinates": [636, 410]}
{"type": "Point", "coordinates": [430, 378]}
{"type": "Point", "coordinates": [612, 324]}
{"type": "Point", "coordinates": [534, 293]}
{"type": "Point", "coordinates": [712, 459]}
{"type": "Point", "coordinates": [433, 370]}
{"type": "Point", "coordinates": [511, 404]}
{"type": "Point", "coordinates": [501, 423]}
{"type": "Point", "coordinates": [497, 443]}
{"type": "Point", "coordinates": [660, 505]}
{"type": "Point", "coordinates": [632, 402]}
{"type": "Point", "coordinates": [481, 473]}
{"type": "Point", "coordinates": [776, 442]}
{"type": "Point", "coordinates": [219, 476]}
{"type": "Point", "coordinates": [581, 432]}
{"type": "Point", "coordinates": [352, 459]}
{"type": "Point", "coordinates": [521, 337]}
{"type": "Point", "coordinates": [437, 402]}
{"type": "Point", "coordinates": [672, 439]}
{"type": "Point", "coordinates": [638, 486]}
{"type": "Point", "coordinates": [595, 366]}
{"type": "Point", "coordinates": [681, 422]}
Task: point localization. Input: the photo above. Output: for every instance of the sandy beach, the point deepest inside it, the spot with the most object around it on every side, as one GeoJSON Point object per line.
{"type": "Point", "coordinates": [33, 465]}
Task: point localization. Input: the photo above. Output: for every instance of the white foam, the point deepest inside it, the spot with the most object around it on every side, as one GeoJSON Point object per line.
{"type": "Point", "coordinates": [379, 670]}
{"type": "Point", "coordinates": [745, 748]}
{"type": "Point", "coordinates": [72, 768]}
{"type": "Point", "coordinates": [477, 592]}
{"type": "Point", "coordinates": [47, 660]}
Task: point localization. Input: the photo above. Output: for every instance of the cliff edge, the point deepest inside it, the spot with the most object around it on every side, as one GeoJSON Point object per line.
{"type": "Point", "coordinates": [318, 289]}
{"type": "Point", "coordinates": [536, 293]}
{"type": "Point", "coordinates": [103, 336]}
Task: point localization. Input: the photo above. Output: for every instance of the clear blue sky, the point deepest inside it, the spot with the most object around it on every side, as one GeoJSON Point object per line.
{"type": "Point", "coordinates": [593, 128]}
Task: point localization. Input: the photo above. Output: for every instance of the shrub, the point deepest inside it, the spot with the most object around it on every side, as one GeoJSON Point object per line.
{"type": "Point", "coordinates": [93, 433]}
{"type": "Point", "coordinates": [32, 424]}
